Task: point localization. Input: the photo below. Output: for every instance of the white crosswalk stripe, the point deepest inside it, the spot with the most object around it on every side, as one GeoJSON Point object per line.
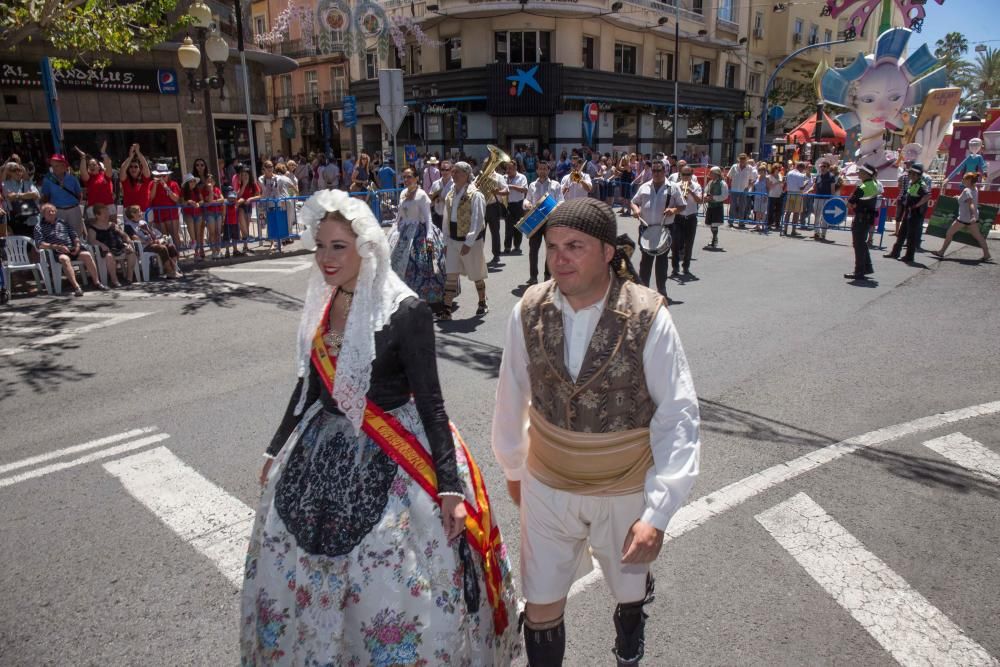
{"type": "Point", "coordinates": [271, 266]}
{"type": "Point", "coordinates": [215, 523]}
{"type": "Point", "coordinates": [962, 450]}
{"type": "Point", "coordinates": [905, 623]}
{"type": "Point", "coordinates": [57, 334]}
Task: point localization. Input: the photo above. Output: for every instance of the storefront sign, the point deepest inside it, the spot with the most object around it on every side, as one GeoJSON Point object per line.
{"type": "Point", "coordinates": [350, 111]}
{"type": "Point", "coordinates": [525, 89]}
{"type": "Point", "coordinates": [118, 79]}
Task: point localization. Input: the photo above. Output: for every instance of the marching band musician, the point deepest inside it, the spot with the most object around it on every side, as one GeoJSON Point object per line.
{"type": "Point", "coordinates": [686, 223]}
{"type": "Point", "coordinates": [651, 205]}
{"type": "Point", "coordinates": [596, 427]}
{"type": "Point", "coordinates": [576, 184]}
{"type": "Point", "coordinates": [439, 190]}
{"type": "Point", "coordinates": [716, 194]}
{"type": "Point", "coordinates": [464, 222]}
{"type": "Point", "coordinates": [517, 187]}
{"type": "Point", "coordinates": [537, 191]}
{"type": "Point", "coordinates": [495, 210]}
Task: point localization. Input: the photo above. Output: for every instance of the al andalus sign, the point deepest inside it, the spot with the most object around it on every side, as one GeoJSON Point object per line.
{"type": "Point", "coordinates": [116, 79]}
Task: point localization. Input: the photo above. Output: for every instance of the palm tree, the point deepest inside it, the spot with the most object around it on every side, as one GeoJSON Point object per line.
{"type": "Point", "coordinates": [949, 52]}
{"type": "Point", "coordinates": [982, 82]}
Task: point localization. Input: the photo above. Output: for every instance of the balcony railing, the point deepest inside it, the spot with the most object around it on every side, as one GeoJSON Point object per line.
{"type": "Point", "coordinates": [308, 102]}
{"type": "Point", "coordinates": [298, 48]}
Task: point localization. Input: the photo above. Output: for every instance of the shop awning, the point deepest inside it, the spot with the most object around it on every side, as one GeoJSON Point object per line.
{"type": "Point", "coordinates": [806, 131]}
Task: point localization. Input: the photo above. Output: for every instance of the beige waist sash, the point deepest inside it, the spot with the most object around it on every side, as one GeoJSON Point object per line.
{"type": "Point", "coordinates": [590, 464]}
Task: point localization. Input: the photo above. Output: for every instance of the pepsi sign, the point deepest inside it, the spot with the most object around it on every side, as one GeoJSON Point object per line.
{"type": "Point", "coordinates": [167, 80]}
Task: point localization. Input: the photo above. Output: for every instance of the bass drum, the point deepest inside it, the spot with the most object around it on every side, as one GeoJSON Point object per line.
{"type": "Point", "coordinates": [654, 239]}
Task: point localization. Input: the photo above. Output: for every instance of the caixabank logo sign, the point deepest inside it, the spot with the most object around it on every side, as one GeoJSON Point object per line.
{"type": "Point", "coordinates": [524, 89]}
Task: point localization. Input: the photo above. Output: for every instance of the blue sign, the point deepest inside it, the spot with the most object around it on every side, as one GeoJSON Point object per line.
{"type": "Point", "coordinates": [52, 104]}
{"type": "Point", "coordinates": [777, 113]}
{"type": "Point", "coordinates": [410, 151]}
{"type": "Point", "coordinates": [835, 211]}
{"type": "Point", "coordinates": [166, 80]}
{"type": "Point", "coordinates": [525, 78]}
{"type": "Point", "coordinates": [591, 113]}
{"type": "Point", "coordinates": [350, 111]}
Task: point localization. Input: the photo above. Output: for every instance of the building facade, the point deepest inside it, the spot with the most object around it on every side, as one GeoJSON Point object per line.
{"type": "Point", "coordinates": [470, 83]}
{"type": "Point", "coordinates": [143, 98]}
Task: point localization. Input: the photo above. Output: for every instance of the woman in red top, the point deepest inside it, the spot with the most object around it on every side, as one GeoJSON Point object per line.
{"type": "Point", "coordinates": [135, 179]}
{"type": "Point", "coordinates": [95, 176]}
{"type": "Point", "coordinates": [191, 197]}
{"type": "Point", "coordinates": [211, 212]}
{"type": "Point", "coordinates": [248, 192]}
{"type": "Point", "coordinates": [164, 195]}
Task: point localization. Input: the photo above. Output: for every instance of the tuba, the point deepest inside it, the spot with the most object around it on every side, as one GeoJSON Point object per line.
{"type": "Point", "coordinates": [485, 182]}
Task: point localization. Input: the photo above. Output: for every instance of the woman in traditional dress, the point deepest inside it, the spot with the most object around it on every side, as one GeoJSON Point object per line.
{"type": "Point", "coordinates": [374, 542]}
{"type": "Point", "coordinates": [416, 243]}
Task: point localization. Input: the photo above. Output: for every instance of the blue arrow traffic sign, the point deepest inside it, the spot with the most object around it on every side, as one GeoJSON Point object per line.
{"type": "Point", "coordinates": [835, 211]}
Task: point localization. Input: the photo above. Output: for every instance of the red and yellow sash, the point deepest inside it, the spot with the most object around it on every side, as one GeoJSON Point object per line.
{"type": "Point", "coordinates": [404, 448]}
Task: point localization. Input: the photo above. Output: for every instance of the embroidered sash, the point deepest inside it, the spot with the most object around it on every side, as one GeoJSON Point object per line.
{"type": "Point", "coordinates": [406, 450]}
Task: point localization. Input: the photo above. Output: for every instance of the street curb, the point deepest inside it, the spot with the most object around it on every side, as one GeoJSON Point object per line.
{"type": "Point", "coordinates": [261, 254]}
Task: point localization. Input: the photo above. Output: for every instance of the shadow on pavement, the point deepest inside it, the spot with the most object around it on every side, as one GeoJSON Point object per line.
{"type": "Point", "coordinates": [466, 352]}
{"type": "Point", "coordinates": [225, 294]}
{"type": "Point", "coordinates": [741, 424]}
{"type": "Point", "coordinates": [41, 372]}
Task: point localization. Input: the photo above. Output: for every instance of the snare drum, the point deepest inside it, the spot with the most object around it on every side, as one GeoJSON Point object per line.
{"type": "Point", "coordinates": [535, 220]}
{"type": "Point", "coordinates": [655, 239]}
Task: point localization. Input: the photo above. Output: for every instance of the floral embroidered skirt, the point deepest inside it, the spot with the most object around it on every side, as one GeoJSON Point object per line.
{"type": "Point", "coordinates": [419, 260]}
{"type": "Point", "coordinates": [349, 564]}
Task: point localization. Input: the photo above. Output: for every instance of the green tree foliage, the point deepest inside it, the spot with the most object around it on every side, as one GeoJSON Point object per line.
{"type": "Point", "coordinates": [982, 82]}
{"type": "Point", "coordinates": [950, 52]}
{"type": "Point", "coordinates": [86, 29]}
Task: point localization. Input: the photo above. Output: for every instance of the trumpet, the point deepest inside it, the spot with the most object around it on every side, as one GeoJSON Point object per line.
{"type": "Point", "coordinates": [685, 188]}
{"type": "Point", "coordinates": [576, 176]}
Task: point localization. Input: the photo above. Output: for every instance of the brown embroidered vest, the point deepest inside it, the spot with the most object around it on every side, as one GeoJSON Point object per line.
{"type": "Point", "coordinates": [458, 229]}
{"type": "Point", "coordinates": [610, 393]}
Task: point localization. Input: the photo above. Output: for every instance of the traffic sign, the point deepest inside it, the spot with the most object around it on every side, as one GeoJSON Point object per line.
{"type": "Point", "coordinates": [350, 111]}
{"type": "Point", "coordinates": [390, 92]}
{"type": "Point", "coordinates": [835, 211]}
{"type": "Point", "coordinates": [777, 112]}
{"type": "Point", "coordinates": [591, 113]}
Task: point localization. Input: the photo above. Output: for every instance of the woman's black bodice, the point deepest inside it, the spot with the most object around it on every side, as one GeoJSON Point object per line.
{"type": "Point", "coordinates": [405, 364]}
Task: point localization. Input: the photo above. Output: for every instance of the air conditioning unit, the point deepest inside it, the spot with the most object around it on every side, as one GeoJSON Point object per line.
{"type": "Point", "coordinates": [338, 115]}
{"type": "Point", "coordinates": [758, 33]}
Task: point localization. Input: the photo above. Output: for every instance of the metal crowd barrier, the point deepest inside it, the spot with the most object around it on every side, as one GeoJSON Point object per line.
{"type": "Point", "coordinates": [815, 213]}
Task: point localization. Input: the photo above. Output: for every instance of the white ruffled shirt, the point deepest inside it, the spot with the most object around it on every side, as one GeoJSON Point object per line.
{"type": "Point", "coordinates": [674, 429]}
{"type": "Point", "coordinates": [412, 211]}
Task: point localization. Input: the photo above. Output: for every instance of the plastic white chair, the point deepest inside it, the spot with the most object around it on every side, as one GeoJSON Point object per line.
{"type": "Point", "coordinates": [56, 268]}
{"type": "Point", "coordinates": [102, 269]}
{"type": "Point", "coordinates": [18, 259]}
{"type": "Point", "coordinates": [146, 259]}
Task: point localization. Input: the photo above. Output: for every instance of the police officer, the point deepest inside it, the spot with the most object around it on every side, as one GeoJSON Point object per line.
{"type": "Point", "coordinates": [914, 200]}
{"type": "Point", "coordinates": [863, 204]}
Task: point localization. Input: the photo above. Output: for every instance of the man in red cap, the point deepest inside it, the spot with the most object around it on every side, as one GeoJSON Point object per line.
{"type": "Point", "coordinates": [62, 189]}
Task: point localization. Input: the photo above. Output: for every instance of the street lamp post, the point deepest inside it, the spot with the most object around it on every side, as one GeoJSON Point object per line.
{"type": "Point", "coordinates": [216, 50]}
{"type": "Point", "coordinates": [770, 82]}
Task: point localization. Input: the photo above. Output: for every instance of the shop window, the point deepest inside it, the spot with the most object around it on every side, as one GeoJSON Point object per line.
{"type": "Point", "coordinates": [522, 46]}
{"type": "Point", "coordinates": [453, 53]}
{"type": "Point", "coordinates": [732, 75]}
{"type": "Point", "coordinates": [625, 59]}
{"type": "Point", "coordinates": [701, 71]}
{"type": "Point", "coordinates": [664, 67]}
{"type": "Point", "coordinates": [371, 64]}
{"type": "Point", "coordinates": [625, 129]}
{"type": "Point", "coordinates": [589, 52]}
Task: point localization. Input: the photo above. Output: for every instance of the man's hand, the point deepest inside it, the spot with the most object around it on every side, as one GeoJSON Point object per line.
{"type": "Point", "coordinates": [642, 544]}
{"type": "Point", "coordinates": [514, 491]}
{"type": "Point", "coordinates": [465, 250]}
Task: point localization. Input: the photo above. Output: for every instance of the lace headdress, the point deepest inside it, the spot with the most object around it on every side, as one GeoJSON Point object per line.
{"type": "Point", "coordinates": [377, 295]}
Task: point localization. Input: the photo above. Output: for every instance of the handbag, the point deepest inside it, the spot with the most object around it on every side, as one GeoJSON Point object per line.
{"type": "Point", "coordinates": [25, 212]}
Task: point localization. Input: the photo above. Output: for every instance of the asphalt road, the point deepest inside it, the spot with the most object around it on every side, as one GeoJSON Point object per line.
{"type": "Point", "coordinates": [803, 543]}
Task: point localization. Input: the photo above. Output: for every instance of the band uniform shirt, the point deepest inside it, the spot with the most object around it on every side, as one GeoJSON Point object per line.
{"type": "Point", "coordinates": [520, 180]}
{"type": "Point", "coordinates": [442, 189]}
{"type": "Point", "coordinates": [652, 200]}
{"type": "Point", "coordinates": [501, 183]}
{"type": "Point", "coordinates": [538, 190]}
{"type": "Point", "coordinates": [478, 214]}
{"type": "Point", "coordinates": [690, 205]}
{"type": "Point", "coordinates": [576, 190]}
{"type": "Point", "coordinates": [673, 431]}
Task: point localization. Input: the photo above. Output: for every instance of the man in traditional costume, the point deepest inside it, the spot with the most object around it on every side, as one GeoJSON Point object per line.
{"type": "Point", "coordinates": [465, 226]}
{"type": "Point", "coordinates": [596, 428]}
